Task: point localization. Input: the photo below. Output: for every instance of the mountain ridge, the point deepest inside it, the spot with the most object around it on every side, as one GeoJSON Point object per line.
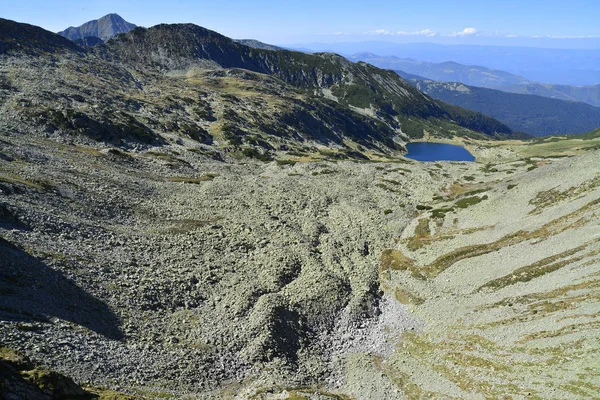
{"type": "Point", "coordinates": [31, 39]}
{"type": "Point", "coordinates": [181, 47]}
{"type": "Point", "coordinates": [322, 99]}
{"type": "Point", "coordinates": [533, 114]}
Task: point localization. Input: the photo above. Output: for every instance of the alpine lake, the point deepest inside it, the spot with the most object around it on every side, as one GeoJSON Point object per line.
{"type": "Point", "coordinates": [425, 151]}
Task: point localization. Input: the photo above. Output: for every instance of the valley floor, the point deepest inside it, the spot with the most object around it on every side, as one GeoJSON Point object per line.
{"type": "Point", "coordinates": [164, 273]}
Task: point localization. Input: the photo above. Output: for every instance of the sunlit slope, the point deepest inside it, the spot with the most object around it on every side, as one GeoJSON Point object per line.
{"type": "Point", "coordinates": [509, 287]}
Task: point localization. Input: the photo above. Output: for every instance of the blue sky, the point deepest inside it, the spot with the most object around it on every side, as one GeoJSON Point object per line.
{"type": "Point", "coordinates": [517, 22]}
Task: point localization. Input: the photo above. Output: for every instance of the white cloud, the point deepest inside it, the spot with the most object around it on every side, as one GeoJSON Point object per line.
{"type": "Point", "coordinates": [424, 32]}
{"type": "Point", "coordinates": [380, 32]}
{"type": "Point", "coordinates": [464, 32]}
{"type": "Point", "coordinates": [385, 32]}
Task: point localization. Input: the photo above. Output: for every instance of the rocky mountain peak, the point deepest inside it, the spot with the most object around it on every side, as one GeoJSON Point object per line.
{"type": "Point", "coordinates": [103, 28]}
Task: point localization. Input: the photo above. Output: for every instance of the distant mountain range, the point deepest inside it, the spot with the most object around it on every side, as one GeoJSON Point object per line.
{"type": "Point", "coordinates": [103, 28]}
{"type": "Point", "coordinates": [535, 115]}
{"type": "Point", "coordinates": [481, 76]}
{"type": "Point", "coordinates": [578, 67]}
{"type": "Point", "coordinates": [586, 94]}
{"type": "Point", "coordinates": [448, 71]}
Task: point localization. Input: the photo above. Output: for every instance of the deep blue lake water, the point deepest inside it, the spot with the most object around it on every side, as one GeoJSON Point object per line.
{"type": "Point", "coordinates": [423, 151]}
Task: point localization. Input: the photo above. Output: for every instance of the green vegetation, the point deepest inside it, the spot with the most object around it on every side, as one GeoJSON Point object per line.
{"type": "Point", "coordinates": [422, 207]}
{"type": "Point", "coordinates": [550, 197]}
{"type": "Point", "coordinates": [542, 267]}
{"type": "Point", "coordinates": [251, 152]}
{"type": "Point", "coordinates": [469, 201]}
{"type": "Point", "coordinates": [397, 261]}
{"type": "Point", "coordinates": [391, 181]}
{"type": "Point", "coordinates": [299, 393]}
{"type": "Point", "coordinates": [551, 228]}
{"type": "Point", "coordinates": [488, 168]}
{"type": "Point", "coordinates": [325, 171]}
{"type": "Point", "coordinates": [406, 297]}
{"type": "Point", "coordinates": [440, 212]}
{"type": "Point", "coordinates": [201, 178]}
{"type": "Point", "coordinates": [285, 162]}
{"type": "Point", "coordinates": [422, 228]}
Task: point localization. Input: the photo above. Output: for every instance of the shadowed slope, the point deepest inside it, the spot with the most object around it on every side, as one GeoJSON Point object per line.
{"type": "Point", "coordinates": [30, 290]}
{"type": "Point", "coordinates": [30, 39]}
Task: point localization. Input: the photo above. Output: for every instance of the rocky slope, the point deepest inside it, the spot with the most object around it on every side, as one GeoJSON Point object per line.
{"type": "Point", "coordinates": [227, 233]}
{"type": "Point", "coordinates": [104, 28]}
{"type": "Point", "coordinates": [25, 39]}
{"type": "Point", "coordinates": [257, 44]}
{"type": "Point", "coordinates": [181, 274]}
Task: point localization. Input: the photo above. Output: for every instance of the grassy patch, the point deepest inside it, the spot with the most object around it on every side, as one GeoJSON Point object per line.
{"type": "Point", "coordinates": [422, 207]}
{"type": "Point", "coordinates": [406, 170]}
{"type": "Point", "coordinates": [326, 171]}
{"type": "Point", "coordinates": [200, 179]}
{"type": "Point", "coordinates": [548, 198]}
{"type": "Point", "coordinates": [539, 268]}
{"type": "Point", "coordinates": [422, 235]}
{"type": "Point", "coordinates": [17, 180]}
{"type": "Point", "coordinates": [286, 162]}
{"type": "Point", "coordinates": [251, 152]}
{"type": "Point", "coordinates": [422, 228]}
{"type": "Point", "coordinates": [299, 393]}
{"type": "Point", "coordinates": [469, 201]}
{"type": "Point", "coordinates": [391, 181]}
{"type": "Point", "coordinates": [406, 297]}
{"type": "Point", "coordinates": [169, 158]}
{"type": "Point", "coordinates": [554, 227]}
{"type": "Point", "coordinates": [488, 168]}
{"type": "Point", "coordinates": [388, 188]}
{"type": "Point", "coordinates": [396, 260]}
{"type": "Point", "coordinates": [440, 212]}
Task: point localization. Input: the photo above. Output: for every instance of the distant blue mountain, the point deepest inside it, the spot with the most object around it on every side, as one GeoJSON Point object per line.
{"type": "Point", "coordinates": [448, 71]}
{"type": "Point", "coordinates": [558, 66]}
{"type": "Point", "coordinates": [535, 115]}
